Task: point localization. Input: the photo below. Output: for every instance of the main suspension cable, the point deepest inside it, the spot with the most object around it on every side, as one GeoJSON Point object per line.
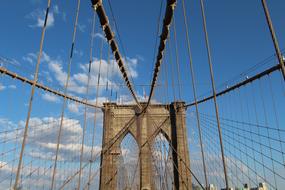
{"type": "Point", "coordinates": [104, 21]}
{"type": "Point", "coordinates": [163, 37]}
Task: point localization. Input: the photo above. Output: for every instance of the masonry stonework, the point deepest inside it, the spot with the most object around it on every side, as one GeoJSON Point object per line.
{"type": "Point", "coordinates": [119, 120]}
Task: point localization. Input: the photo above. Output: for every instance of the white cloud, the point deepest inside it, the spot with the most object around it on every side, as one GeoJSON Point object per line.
{"type": "Point", "coordinates": [60, 12]}
{"type": "Point", "coordinates": [128, 99]}
{"type": "Point", "coordinates": [6, 123]}
{"type": "Point", "coordinates": [81, 27]}
{"type": "Point", "coordinates": [55, 66]}
{"type": "Point", "coordinates": [106, 74]}
{"type": "Point", "coordinates": [78, 81]}
{"type": "Point", "coordinates": [79, 53]}
{"type": "Point", "coordinates": [232, 163]}
{"type": "Point", "coordinates": [71, 150]}
{"type": "Point", "coordinates": [47, 76]}
{"type": "Point", "coordinates": [28, 59]}
{"type": "Point", "coordinates": [141, 58]}
{"type": "Point", "coordinates": [160, 138]}
{"type": "Point", "coordinates": [78, 109]}
{"type": "Point", "coordinates": [50, 21]}
{"type": "Point", "coordinates": [73, 107]}
{"type": "Point", "coordinates": [100, 101]}
{"type": "Point", "coordinates": [4, 61]}
{"type": "Point", "coordinates": [70, 143]}
{"type": "Point", "coordinates": [12, 86]}
{"type": "Point", "coordinates": [42, 138]}
{"type": "Point", "coordinates": [56, 9]}
{"type": "Point", "coordinates": [99, 35]}
{"type": "Point", "coordinates": [38, 176]}
{"type": "Point", "coordinates": [131, 64]}
{"type": "Point", "coordinates": [63, 16]}
{"type": "Point", "coordinates": [50, 97]}
{"type": "Point", "coordinates": [5, 167]}
{"type": "Point", "coordinates": [2, 87]}
{"type": "Point", "coordinates": [109, 73]}
{"type": "Point", "coordinates": [5, 170]}
{"type": "Point", "coordinates": [44, 74]}
{"type": "Point", "coordinates": [38, 16]}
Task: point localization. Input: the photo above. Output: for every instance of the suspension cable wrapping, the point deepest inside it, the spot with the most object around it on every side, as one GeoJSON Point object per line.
{"type": "Point", "coordinates": [169, 12]}
{"type": "Point", "coordinates": [104, 21]}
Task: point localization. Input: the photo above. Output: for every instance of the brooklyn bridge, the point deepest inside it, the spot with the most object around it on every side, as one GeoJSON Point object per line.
{"type": "Point", "coordinates": [166, 94]}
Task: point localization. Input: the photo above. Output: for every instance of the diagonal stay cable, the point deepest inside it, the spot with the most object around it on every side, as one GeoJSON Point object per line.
{"type": "Point", "coordinates": [237, 85]}
{"type": "Point", "coordinates": [173, 149]}
{"type": "Point", "coordinates": [158, 128]}
{"type": "Point", "coordinates": [46, 88]}
{"type": "Point", "coordinates": [105, 147]}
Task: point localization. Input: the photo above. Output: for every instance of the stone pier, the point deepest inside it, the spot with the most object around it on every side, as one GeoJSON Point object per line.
{"type": "Point", "coordinates": [166, 119]}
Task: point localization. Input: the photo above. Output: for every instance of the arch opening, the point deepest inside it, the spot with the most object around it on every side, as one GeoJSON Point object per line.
{"type": "Point", "coordinates": [162, 162]}
{"type": "Point", "coordinates": [128, 166]}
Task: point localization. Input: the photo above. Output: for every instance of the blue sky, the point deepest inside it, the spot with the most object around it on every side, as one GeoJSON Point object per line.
{"type": "Point", "coordinates": [238, 34]}
{"type": "Point", "coordinates": [237, 30]}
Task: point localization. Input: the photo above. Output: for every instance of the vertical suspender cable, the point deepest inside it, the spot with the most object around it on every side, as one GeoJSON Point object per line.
{"type": "Point", "coordinates": [171, 69]}
{"type": "Point", "coordinates": [108, 65]}
{"type": "Point", "coordinates": [87, 92]}
{"type": "Point", "coordinates": [166, 83]}
{"type": "Point", "coordinates": [112, 71]}
{"type": "Point", "coordinates": [214, 91]}
{"type": "Point", "coordinates": [32, 97]}
{"type": "Point", "coordinates": [65, 92]}
{"type": "Point", "coordinates": [95, 114]}
{"type": "Point", "coordinates": [180, 157]}
{"type": "Point", "coordinates": [273, 36]}
{"type": "Point", "coordinates": [120, 41]}
{"type": "Point", "coordinates": [276, 118]}
{"type": "Point", "coordinates": [194, 93]}
{"type": "Point", "coordinates": [157, 32]}
{"type": "Point", "coordinates": [177, 58]}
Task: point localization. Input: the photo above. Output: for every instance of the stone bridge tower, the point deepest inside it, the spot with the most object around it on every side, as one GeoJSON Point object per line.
{"type": "Point", "coordinates": [166, 119]}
